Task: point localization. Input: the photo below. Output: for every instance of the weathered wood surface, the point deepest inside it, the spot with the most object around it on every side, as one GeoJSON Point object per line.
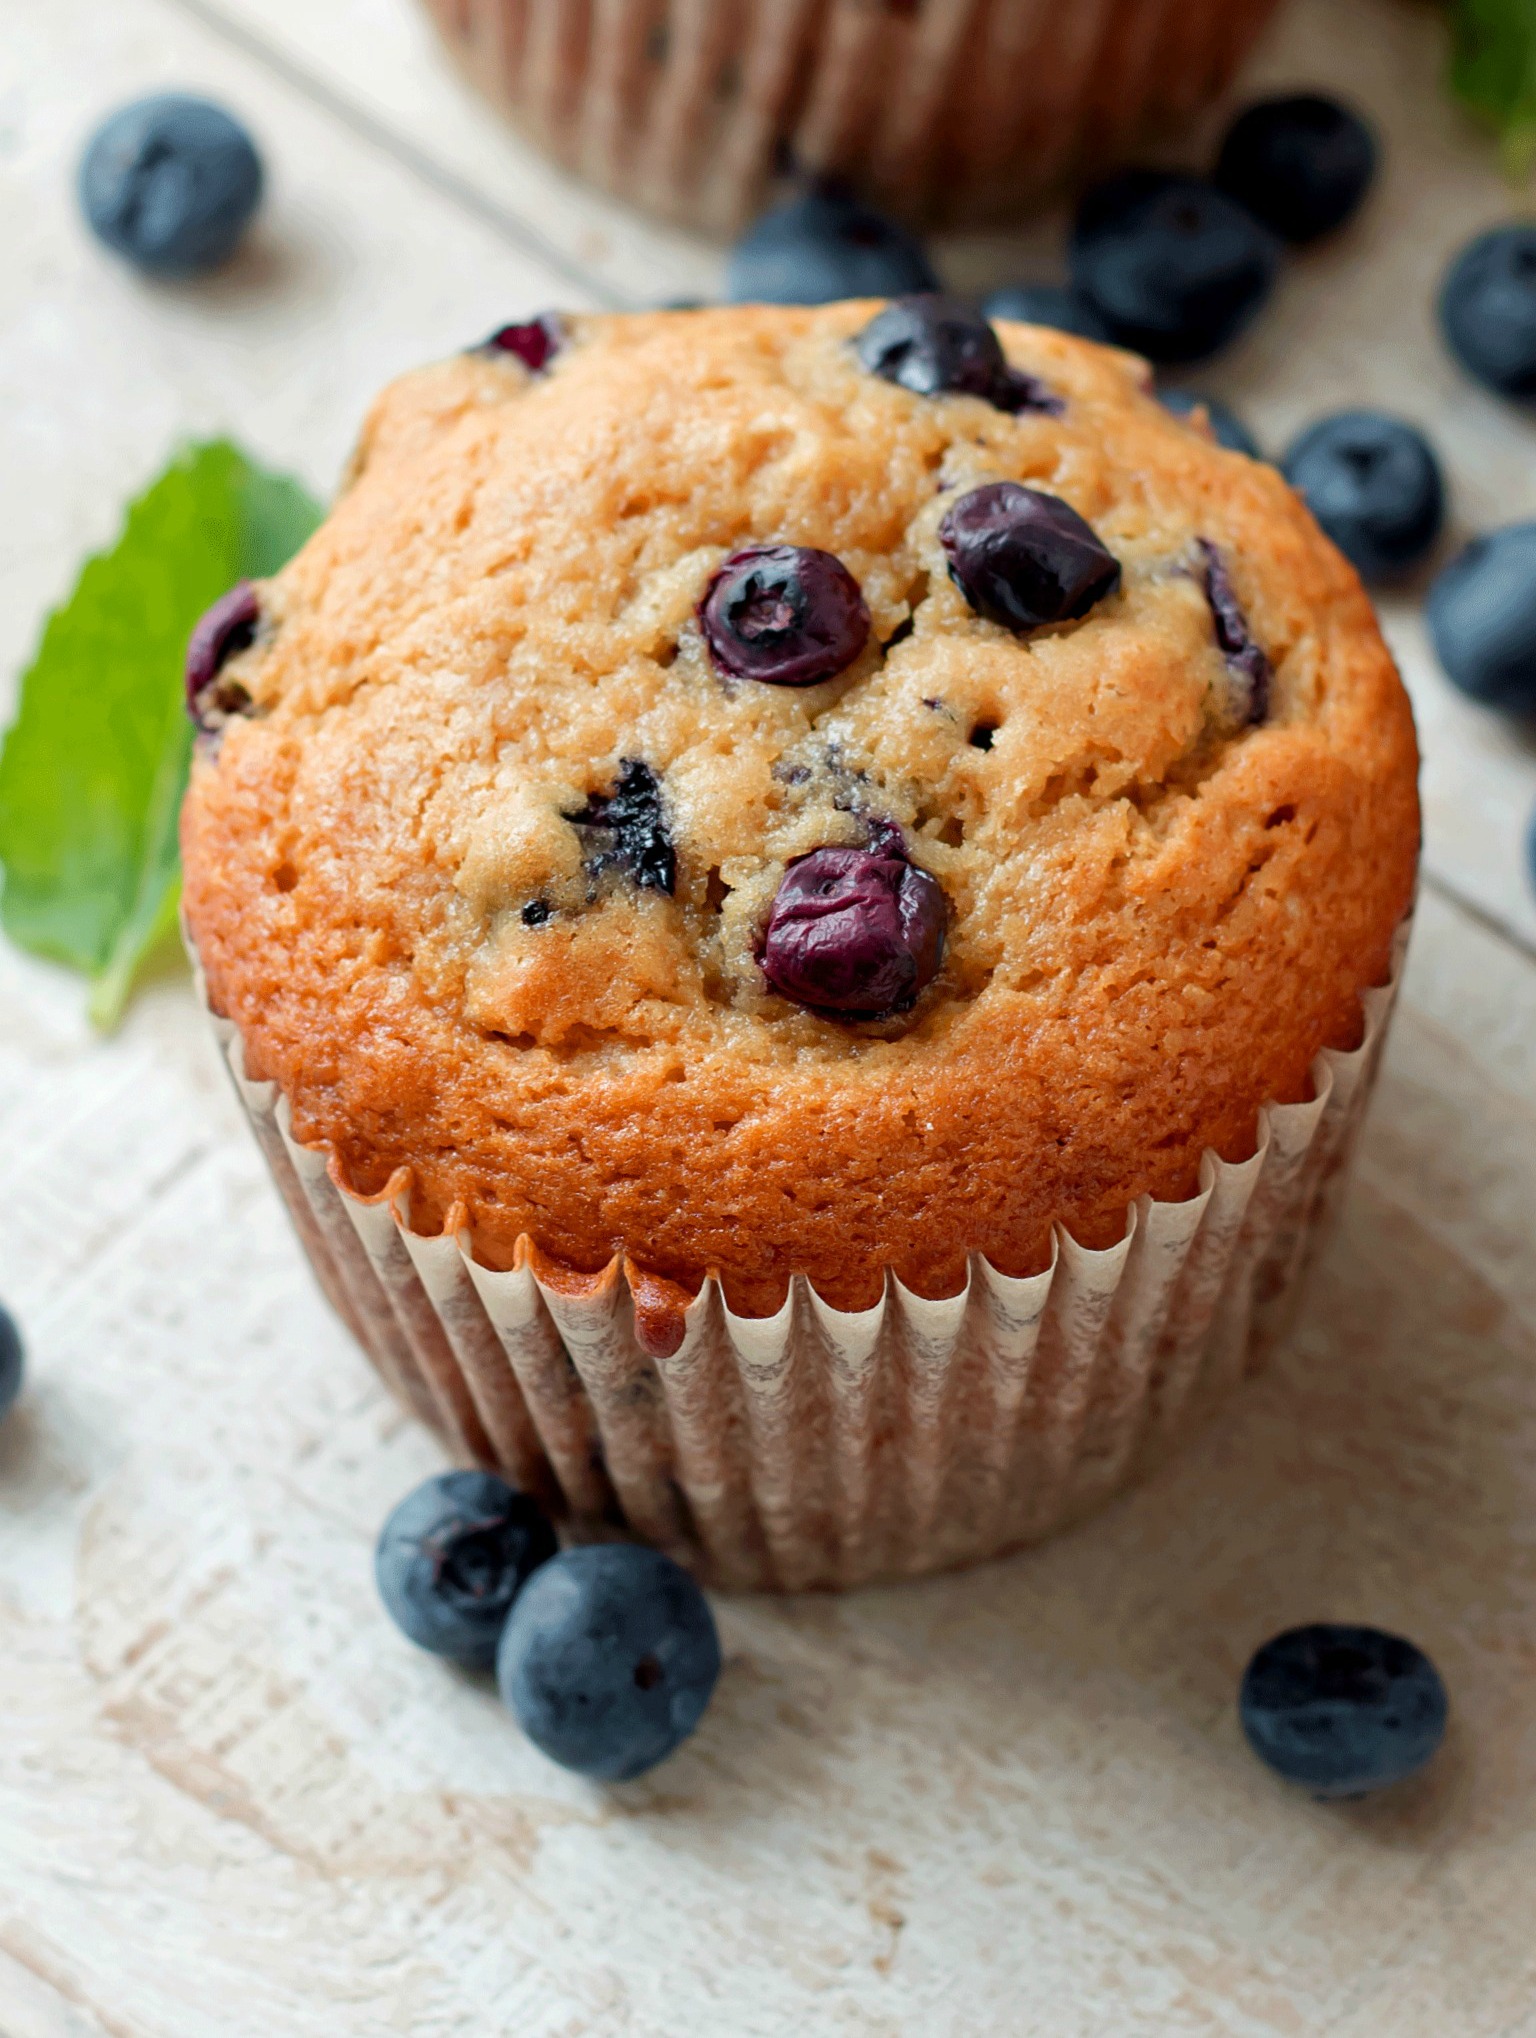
{"type": "Point", "coordinates": [232, 1803]}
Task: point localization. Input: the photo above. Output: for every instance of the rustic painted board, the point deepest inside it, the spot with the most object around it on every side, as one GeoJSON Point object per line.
{"type": "Point", "coordinates": [233, 1804]}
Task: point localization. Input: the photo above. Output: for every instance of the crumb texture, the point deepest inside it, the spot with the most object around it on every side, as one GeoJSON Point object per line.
{"type": "Point", "coordinates": [467, 933]}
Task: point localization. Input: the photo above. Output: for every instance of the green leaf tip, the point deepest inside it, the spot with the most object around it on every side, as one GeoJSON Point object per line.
{"type": "Point", "coordinates": [1493, 74]}
{"type": "Point", "coordinates": [93, 767]}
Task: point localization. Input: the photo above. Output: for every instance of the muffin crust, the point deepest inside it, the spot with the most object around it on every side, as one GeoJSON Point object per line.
{"type": "Point", "coordinates": [1158, 914]}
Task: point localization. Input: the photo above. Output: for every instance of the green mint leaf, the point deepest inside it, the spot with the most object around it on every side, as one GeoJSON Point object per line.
{"type": "Point", "coordinates": [1493, 72]}
{"type": "Point", "coordinates": [94, 766]}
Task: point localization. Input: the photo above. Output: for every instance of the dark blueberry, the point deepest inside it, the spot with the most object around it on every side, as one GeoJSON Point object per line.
{"type": "Point", "coordinates": [1300, 163]}
{"type": "Point", "coordinates": [1023, 558]}
{"type": "Point", "coordinates": [1173, 266]}
{"type": "Point", "coordinates": [1374, 485]}
{"type": "Point", "coordinates": [1488, 309]}
{"type": "Point", "coordinates": [785, 614]}
{"type": "Point", "coordinates": [1227, 427]}
{"type": "Point", "coordinates": [823, 246]}
{"type": "Point", "coordinates": [1482, 617]}
{"type": "Point", "coordinates": [609, 1659]}
{"type": "Point", "coordinates": [536, 912]}
{"type": "Point", "coordinates": [1247, 661]}
{"type": "Point", "coordinates": [535, 342]}
{"type": "Point", "coordinates": [1342, 1710]}
{"type": "Point", "coordinates": [1047, 304]}
{"type": "Point", "coordinates": [626, 830]}
{"type": "Point", "coordinates": [12, 1361]}
{"type": "Point", "coordinates": [937, 346]}
{"type": "Point", "coordinates": [859, 932]}
{"type": "Point", "coordinates": [172, 183]}
{"type": "Point", "coordinates": [219, 633]}
{"type": "Point", "coordinates": [453, 1557]}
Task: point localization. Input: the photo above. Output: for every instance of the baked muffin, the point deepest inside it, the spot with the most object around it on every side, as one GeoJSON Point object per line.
{"type": "Point", "coordinates": [770, 793]}
{"type": "Point", "coordinates": [953, 110]}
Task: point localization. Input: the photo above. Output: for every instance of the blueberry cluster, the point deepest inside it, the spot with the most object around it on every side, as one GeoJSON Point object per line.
{"type": "Point", "coordinates": [607, 1655]}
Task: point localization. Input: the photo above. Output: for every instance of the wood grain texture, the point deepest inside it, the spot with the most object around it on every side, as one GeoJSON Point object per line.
{"type": "Point", "coordinates": [233, 1804]}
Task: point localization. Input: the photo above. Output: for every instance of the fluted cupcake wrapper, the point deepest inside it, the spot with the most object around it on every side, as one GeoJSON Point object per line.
{"type": "Point", "coordinates": [828, 1447]}
{"type": "Point", "coordinates": [945, 109]}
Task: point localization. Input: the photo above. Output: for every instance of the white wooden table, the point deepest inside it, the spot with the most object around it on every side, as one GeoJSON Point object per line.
{"type": "Point", "coordinates": [232, 1803]}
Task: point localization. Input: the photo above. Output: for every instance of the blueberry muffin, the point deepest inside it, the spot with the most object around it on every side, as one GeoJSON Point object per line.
{"type": "Point", "coordinates": [771, 791]}
{"type": "Point", "coordinates": [954, 110]}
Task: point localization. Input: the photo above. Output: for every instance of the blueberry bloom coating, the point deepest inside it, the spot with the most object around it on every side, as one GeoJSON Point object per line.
{"type": "Point", "coordinates": [784, 614]}
{"type": "Point", "coordinates": [1247, 660]}
{"type": "Point", "coordinates": [452, 1558]}
{"type": "Point", "coordinates": [1173, 266]}
{"type": "Point", "coordinates": [171, 182]}
{"type": "Point", "coordinates": [1342, 1710]}
{"type": "Point", "coordinates": [626, 830]}
{"type": "Point", "coordinates": [1301, 164]}
{"type": "Point", "coordinates": [858, 932]}
{"type": "Point", "coordinates": [1488, 309]}
{"type": "Point", "coordinates": [1481, 612]}
{"type": "Point", "coordinates": [609, 1659]}
{"type": "Point", "coordinates": [937, 346]}
{"type": "Point", "coordinates": [1023, 558]}
{"type": "Point", "coordinates": [1047, 304]}
{"type": "Point", "coordinates": [821, 246]}
{"type": "Point", "coordinates": [221, 631]}
{"type": "Point", "coordinates": [535, 341]}
{"type": "Point", "coordinates": [1227, 427]}
{"type": "Point", "coordinates": [12, 1361]}
{"type": "Point", "coordinates": [1374, 485]}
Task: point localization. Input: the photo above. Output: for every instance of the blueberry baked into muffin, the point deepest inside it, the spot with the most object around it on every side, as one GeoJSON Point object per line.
{"type": "Point", "coordinates": [773, 792]}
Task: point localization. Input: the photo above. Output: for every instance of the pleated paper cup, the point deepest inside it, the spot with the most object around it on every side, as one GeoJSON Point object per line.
{"type": "Point", "coordinates": [828, 1447]}
{"type": "Point", "coordinates": [955, 111]}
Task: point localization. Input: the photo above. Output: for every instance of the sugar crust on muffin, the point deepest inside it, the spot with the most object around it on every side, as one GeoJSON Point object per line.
{"type": "Point", "coordinates": [1158, 910]}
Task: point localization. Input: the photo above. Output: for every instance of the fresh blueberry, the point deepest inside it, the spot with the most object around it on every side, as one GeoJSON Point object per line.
{"type": "Point", "coordinates": [1301, 164]}
{"type": "Point", "coordinates": [1047, 304]}
{"type": "Point", "coordinates": [219, 633]}
{"type": "Point", "coordinates": [12, 1362]}
{"type": "Point", "coordinates": [822, 246]}
{"type": "Point", "coordinates": [453, 1557]}
{"type": "Point", "coordinates": [1482, 617]}
{"type": "Point", "coordinates": [785, 614]}
{"type": "Point", "coordinates": [1488, 309]}
{"type": "Point", "coordinates": [609, 1659]}
{"type": "Point", "coordinates": [1227, 427]}
{"type": "Point", "coordinates": [1342, 1710]}
{"type": "Point", "coordinates": [1374, 485]}
{"type": "Point", "coordinates": [937, 346]}
{"type": "Point", "coordinates": [626, 830]}
{"type": "Point", "coordinates": [859, 932]}
{"type": "Point", "coordinates": [172, 183]}
{"type": "Point", "coordinates": [1246, 659]}
{"type": "Point", "coordinates": [1023, 558]}
{"type": "Point", "coordinates": [1173, 266]}
{"type": "Point", "coordinates": [535, 341]}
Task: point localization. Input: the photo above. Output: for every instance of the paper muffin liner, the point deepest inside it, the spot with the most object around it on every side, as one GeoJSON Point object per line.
{"type": "Point", "coordinates": [954, 110]}
{"type": "Point", "coordinates": [827, 1447]}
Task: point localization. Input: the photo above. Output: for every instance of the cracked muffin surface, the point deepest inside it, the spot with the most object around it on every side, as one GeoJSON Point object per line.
{"type": "Point", "coordinates": [485, 871]}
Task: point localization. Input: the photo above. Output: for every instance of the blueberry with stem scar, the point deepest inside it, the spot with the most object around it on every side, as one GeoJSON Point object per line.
{"type": "Point", "coordinates": [1342, 1710]}
{"type": "Point", "coordinates": [787, 615]}
{"type": "Point", "coordinates": [856, 933]}
{"type": "Point", "coordinates": [1023, 558]}
{"type": "Point", "coordinates": [452, 1558]}
{"type": "Point", "coordinates": [222, 631]}
{"type": "Point", "coordinates": [936, 346]}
